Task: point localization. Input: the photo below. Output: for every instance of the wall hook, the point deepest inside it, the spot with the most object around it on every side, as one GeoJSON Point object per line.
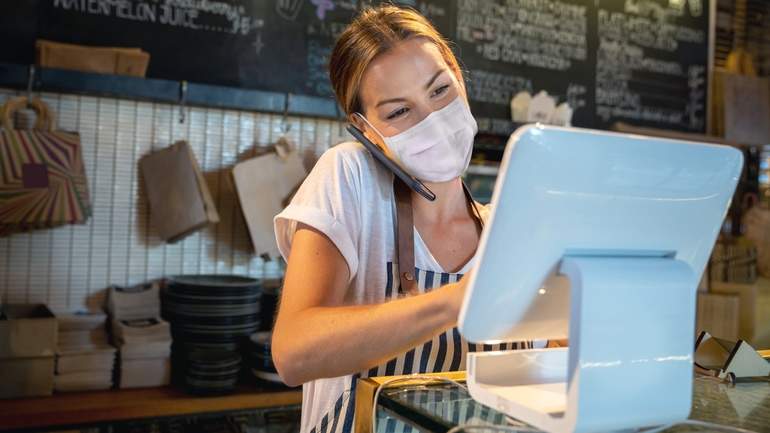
{"type": "Point", "coordinates": [30, 85]}
{"type": "Point", "coordinates": [285, 125]}
{"type": "Point", "coordinates": [182, 100]}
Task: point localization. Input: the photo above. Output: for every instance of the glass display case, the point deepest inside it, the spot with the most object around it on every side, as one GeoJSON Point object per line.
{"type": "Point", "coordinates": [438, 408]}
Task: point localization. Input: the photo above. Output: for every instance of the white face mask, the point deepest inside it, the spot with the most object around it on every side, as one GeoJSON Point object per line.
{"type": "Point", "coordinates": [438, 148]}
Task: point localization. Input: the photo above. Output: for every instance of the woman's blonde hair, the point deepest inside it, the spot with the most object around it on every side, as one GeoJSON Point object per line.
{"type": "Point", "coordinates": [373, 32]}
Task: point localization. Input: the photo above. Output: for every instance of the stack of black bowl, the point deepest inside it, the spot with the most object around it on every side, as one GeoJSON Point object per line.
{"type": "Point", "coordinates": [260, 357]}
{"type": "Point", "coordinates": [211, 318]}
{"type": "Point", "coordinates": [212, 372]}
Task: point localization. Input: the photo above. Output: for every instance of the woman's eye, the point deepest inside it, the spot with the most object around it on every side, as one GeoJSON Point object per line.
{"type": "Point", "coordinates": [440, 90]}
{"type": "Point", "coordinates": [397, 113]}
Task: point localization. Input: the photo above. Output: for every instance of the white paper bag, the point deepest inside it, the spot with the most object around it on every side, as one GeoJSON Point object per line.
{"type": "Point", "coordinates": [263, 184]}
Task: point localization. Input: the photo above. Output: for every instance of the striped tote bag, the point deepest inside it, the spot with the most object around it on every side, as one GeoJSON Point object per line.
{"type": "Point", "coordinates": [42, 179]}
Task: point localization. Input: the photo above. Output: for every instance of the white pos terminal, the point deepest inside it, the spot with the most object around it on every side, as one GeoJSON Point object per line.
{"type": "Point", "coordinates": [601, 238]}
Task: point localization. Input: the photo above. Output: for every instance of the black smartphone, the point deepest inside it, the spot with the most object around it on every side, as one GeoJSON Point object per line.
{"type": "Point", "coordinates": [391, 165]}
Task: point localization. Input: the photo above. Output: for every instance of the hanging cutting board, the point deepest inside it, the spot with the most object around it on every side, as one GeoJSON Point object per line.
{"type": "Point", "coordinates": [264, 184]}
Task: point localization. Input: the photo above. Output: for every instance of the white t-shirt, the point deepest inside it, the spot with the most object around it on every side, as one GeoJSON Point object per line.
{"type": "Point", "coordinates": [349, 197]}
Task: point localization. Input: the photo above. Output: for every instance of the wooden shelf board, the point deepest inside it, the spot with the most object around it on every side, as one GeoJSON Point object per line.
{"type": "Point", "coordinates": [79, 408]}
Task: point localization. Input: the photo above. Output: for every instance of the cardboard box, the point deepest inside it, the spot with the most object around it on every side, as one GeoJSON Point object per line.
{"type": "Point", "coordinates": [26, 377]}
{"type": "Point", "coordinates": [718, 315]}
{"type": "Point", "coordinates": [27, 331]}
{"type": "Point", "coordinates": [746, 108]}
{"type": "Point", "coordinates": [28, 334]}
{"type": "Point", "coordinates": [746, 315]}
{"type": "Point", "coordinates": [102, 60]}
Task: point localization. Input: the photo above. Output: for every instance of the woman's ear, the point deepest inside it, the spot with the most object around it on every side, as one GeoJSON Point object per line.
{"type": "Point", "coordinates": [356, 120]}
{"type": "Point", "coordinates": [359, 122]}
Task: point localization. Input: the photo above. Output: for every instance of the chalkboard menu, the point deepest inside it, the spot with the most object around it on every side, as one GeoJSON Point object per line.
{"type": "Point", "coordinates": [651, 63]}
{"type": "Point", "coordinates": [526, 45]}
{"type": "Point", "coordinates": [639, 61]}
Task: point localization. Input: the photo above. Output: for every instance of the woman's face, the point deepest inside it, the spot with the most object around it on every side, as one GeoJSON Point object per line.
{"type": "Point", "coordinates": [404, 85]}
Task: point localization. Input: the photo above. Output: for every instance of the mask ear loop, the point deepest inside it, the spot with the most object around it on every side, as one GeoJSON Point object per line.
{"type": "Point", "coordinates": [382, 137]}
{"type": "Point", "coordinates": [392, 165]}
{"type": "Point", "coordinates": [366, 121]}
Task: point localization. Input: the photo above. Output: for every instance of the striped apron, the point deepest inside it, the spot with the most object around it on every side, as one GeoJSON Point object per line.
{"type": "Point", "coordinates": [444, 352]}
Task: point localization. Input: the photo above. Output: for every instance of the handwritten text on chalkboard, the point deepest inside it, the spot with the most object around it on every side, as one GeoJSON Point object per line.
{"type": "Point", "coordinates": [190, 14]}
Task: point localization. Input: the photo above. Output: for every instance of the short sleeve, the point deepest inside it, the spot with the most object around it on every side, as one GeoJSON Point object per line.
{"type": "Point", "coordinates": [329, 201]}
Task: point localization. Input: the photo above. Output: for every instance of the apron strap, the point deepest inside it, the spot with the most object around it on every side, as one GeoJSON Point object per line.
{"type": "Point", "coordinates": [405, 236]}
{"type": "Point", "coordinates": [474, 208]}
{"type": "Point", "coordinates": [405, 232]}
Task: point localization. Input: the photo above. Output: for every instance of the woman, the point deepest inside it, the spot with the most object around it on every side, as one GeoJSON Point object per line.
{"type": "Point", "coordinates": [343, 312]}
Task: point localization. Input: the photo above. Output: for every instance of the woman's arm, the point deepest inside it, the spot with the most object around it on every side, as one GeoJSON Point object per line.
{"type": "Point", "coordinates": [316, 336]}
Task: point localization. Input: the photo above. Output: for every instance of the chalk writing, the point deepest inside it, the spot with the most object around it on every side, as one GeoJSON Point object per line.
{"type": "Point", "coordinates": [317, 59]}
{"type": "Point", "coordinates": [646, 32]}
{"type": "Point", "coordinates": [205, 15]}
{"type": "Point", "coordinates": [659, 12]}
{"type": "Point", "coordinates": [258, 44]}
{"type": "Point", "coordinates": [485, 86]}
{"type": "Point", "coordinates": [639, 72]}
{"type": "Point", "coordinates": [544, 34]}
{"type": "Point", "coordinates": [321, 7]}
{"type": "Point", "coordinates": [696, 104]}
{"type": "Point", "coordinates": [431, 10]}
{"type": "Point", "coordinates": [288, 9]}
{"type": "Point", "coordinates": [490, 125]}
{"type": "Point", "coordinates": [576, 96]}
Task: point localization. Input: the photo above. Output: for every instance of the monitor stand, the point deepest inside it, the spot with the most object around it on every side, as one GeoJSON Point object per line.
{"type": "Point", "coordinates": [629, 361]}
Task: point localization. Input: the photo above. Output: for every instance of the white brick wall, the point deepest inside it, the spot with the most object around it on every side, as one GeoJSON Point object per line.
{"type": "Point", "coordinates": [69, 267]}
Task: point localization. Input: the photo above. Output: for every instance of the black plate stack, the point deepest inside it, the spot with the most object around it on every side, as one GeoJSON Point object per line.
{"type": "Point", "coordinates": [211, 318]}
{"type": "Point", "coordinates": [212, 372]}
{"type": "Point", "coordinates": [260, 357]}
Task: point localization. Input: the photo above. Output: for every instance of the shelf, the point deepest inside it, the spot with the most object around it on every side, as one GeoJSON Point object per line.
{"type": "Point", "coordinates": [82, 408]}
{"type": "Point", "coordinates": [167, 91]}
{"type": "Point", "coordinates": [17, 76]}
